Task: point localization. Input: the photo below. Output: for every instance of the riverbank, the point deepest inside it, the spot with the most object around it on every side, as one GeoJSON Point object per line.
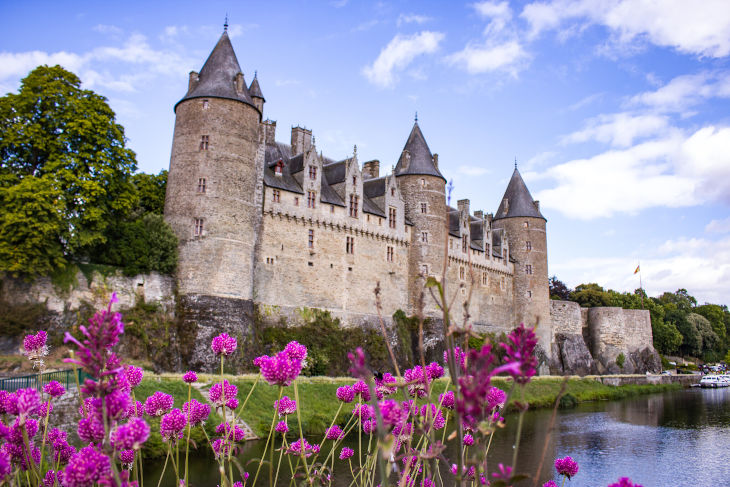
{"type": "Point", "coordinates": [318, 403]}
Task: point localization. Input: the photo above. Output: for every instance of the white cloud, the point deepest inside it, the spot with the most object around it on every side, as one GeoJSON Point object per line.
{"type": "Point", "coordinates": [500, 50]}
{"type": "Point", "coordinates": [674, 171]}
{"type": "Point", "coordinates": [699, 28]}
{"type": "Point", "coordinates": [17, 65]}
{"type": "Point", "coordinates": [412, 19]}
{"type": "Point", "coordinates": [619, 129]}
{"type": "Point", "coordinates": [718, 226]}
{"type": "Point", "coordinates": [112, 30]}
{"type": "Point", "coordinates": [472, 170]}
{"type": "Point", "coordinates": [398, 54]}
{"type": "Point", "coordinates": [685, 91]}
{"type": "Point", "coordinates": [701, 266]}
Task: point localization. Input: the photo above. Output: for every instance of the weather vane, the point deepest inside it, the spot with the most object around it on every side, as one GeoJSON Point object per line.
{"type": "Point", "coordinates": [225, 24]}
{"type": "Point", "coordinates": [416, 118]}
{"type": "Point", "coordinates": [515, 162]}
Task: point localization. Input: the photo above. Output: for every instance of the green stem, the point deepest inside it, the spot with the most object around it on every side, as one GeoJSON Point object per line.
{"type": "Point", "coordinates": [164, 467]}
{"type": "Point", "coordinates": [187, 443]}
{"type": "Point", "coordinates": [299, 420]}
{"type": "Point", "coordinates": [271, 430]}
{"type": "Point", "coordinates": [519, 429]}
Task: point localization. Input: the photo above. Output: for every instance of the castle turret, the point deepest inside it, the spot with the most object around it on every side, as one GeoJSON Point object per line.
{"type": "Point", "coordinates": [519, 215]}
{"type": "Point", "coordinates": [214, 179]}
{"type": "Point", "coordinates": [255, 91]}
{"type": "Point", "coordinates": [423, 190]}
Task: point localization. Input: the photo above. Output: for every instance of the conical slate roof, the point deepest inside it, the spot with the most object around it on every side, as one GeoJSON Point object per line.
{"type": "Point", "coordinates": [217, 79]}
{"type": "Point", "coordinates": [519, 200]}
{"type": "Point", "coordinates": [255, 90]}
{"type": "Point", "coordinates": [421, 159]}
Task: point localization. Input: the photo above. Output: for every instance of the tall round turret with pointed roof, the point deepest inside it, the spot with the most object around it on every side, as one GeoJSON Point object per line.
{"type": "Point", "coordinates": [423, 188]}
{"type": "Point", "coordinates": [519, 215]}
{"type": "Point", "coordinates": [214, 181]}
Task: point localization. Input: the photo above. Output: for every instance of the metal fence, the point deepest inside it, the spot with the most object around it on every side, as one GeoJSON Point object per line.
{"type": "Point", "coordinates": [65, 377]}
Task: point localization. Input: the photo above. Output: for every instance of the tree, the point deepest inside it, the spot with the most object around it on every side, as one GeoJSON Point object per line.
{"type": "Point", "coordinates": [691, 338]}
{"type": "Point", "coordinates": [716, 316]}
{"type": "Point", "coordinates": [65, 173]}
{"type": "Point", "coordinates": [558, 289]}
{"type": "Point", "coordinates": [590, 295]}
{"type": "Point", "coordinates": [681, 298]}
{"type": "Point", "coordinates": [150, 192]}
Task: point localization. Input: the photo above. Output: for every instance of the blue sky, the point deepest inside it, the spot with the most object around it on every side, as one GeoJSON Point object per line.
{"type": "Point", "coordinates": [616, 111]}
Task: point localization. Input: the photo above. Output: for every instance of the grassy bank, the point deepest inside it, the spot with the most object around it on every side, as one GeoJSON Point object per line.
{"type": "Point", "coordinates": [319, 404]}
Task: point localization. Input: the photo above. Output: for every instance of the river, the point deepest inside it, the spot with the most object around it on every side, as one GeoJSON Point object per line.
{"type": "Point", "coordinates": [658, 440]}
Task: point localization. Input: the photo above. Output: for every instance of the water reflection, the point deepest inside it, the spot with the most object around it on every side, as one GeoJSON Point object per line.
{"type": "Point", "coordinates": [675, 438]}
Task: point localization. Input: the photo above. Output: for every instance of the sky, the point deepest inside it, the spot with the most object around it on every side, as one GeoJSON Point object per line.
{"type": "Point", "coordinates": [616, 112]}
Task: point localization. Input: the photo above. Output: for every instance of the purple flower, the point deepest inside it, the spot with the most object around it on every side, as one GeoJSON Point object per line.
{"type": "Point", "coordinates": [51, 478]}
{"type": "Point", "coordinates": [624, 482]}
{"type": "Point", "coordinates": [54, 389]}
{"type": "Point", "coordinates": [131, 435]}
{"type": "Point", "coordinates": [5, 466]}
{"type": "Point", "coordinates": [87, 467]}
{"type": "Point", "coordinates": [357, 364]}
{"type": "Point", "coordinates": [434, 370]}
{"type": "Point", "coordinates": [282, 427]}
{"type": "Point", "coordinates": [34, 346]}
{"type": "Point", "coordinates": [280, 369]}
{"type": "Point", "coordinates": [447, 400]}
{"type": "Point", "coordinates": [172, 425]}
{"type": "Point", "coordinates": [505, 472]}
{"type": "Point", "coordinates": [44, 409]}
{"type": "Point", "coordinates": [361, 388]}
{"type": "Point", "coordinates": [296, 351]}
{"type": "Point", "coordinates": [393, 412]}
{"type": "Point", "coordinates": [334, 433]}
{"type": "Point", "coordinates": [196, 412]}
{"type": "Point", "coordinates": [189, 377]}
{"type": "Point", "coordinates": [520, 349]}
{"type": "Point", "coordinates": [28, 401]}
{"type": "Point", "coordinates": [363, 411]}
{"type": "Point", "coordinates": [566, 466]}
{"type": "Point", "coordinates": [386, 385]}
{"type": "Point", "coordinates": [221, 448]}
{"type": "Point", "coordinates": [134, 375]}
{"type": "Point", "coordinates": [345, 393]}
{"type": "Point", "coordinates": [468, 439]}
{"type": "Point", "coordinates": [222, 393]}
{"type": "Point", "coordinates": [459, 357]}
{"type": "Point", "coordinates": [369, 426]}
{"type": "Point", "coordinates": [90, 430]}
{"type": "Point", "coordinates": [346, 453]}
{"type": "Point", "coordinates": [230, 431]}
{"type": "Point", "coordinates": [126, 456]}
{"type": "Point", "coordinates": [158, 404]}
{"type": "Point", "coordinates": [285, 406]}
{"type": "Point", "coordinates": [224, 344]}
{"type": "Point", "coordinates": [302, 446]}
{"type": "Point", "coordinates": [417, 381]}
{"type": "Point", "coordinates": [550, 483]}
{"type": "Point", "coordinates": [232, 403]}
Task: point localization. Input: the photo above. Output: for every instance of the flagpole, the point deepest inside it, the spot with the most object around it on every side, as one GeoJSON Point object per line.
{"type": "Point", "coordinates": [641, 287]}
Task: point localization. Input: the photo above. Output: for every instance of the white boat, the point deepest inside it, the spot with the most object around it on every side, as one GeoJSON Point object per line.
{"type": "Point", "coordinates": [715, 381]}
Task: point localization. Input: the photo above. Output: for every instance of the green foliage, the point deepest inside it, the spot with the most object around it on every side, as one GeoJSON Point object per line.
{"type": "Point", "coordinates": [150, 192]}
{"type": "Point", "coordinates": [328, 343]}
{"type": "Point", "coordinates": [620, 359]}
{"type": "Point", "coordinates": [667, 337]}
{"type": "Point", "coordinates": [150, 330]}
{"type": "Point", "coordinates": [64, 277]}
{"type": "Point", "coordinates": [727, 357]}
{"type": "Point", "coordinates": [691, 338]}
{"type": "Point", "coordinates": [64, 177]}
{"type": "Point", "coordinates": [680, 298]}
{"type": "Point", "coordinates": [20, 319]}
{"type": "Point", "coordinates": [715, 314]}
{"type": "Point", "coordinates": [590, 295]}
{"type": "Point", "coordinates": [568, 401]}
{"type": "Point", "coordinates": [665, 362]}
{"type": "Point", "coordinates": [558, 289]}
{"type": "Point", "coordinates": [141, 246]}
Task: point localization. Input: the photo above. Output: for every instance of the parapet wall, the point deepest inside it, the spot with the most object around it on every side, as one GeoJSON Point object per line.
{"type": "Point", "coordinates": [616, 330]}
{"type": "Point", "coordinates": [566, 317]}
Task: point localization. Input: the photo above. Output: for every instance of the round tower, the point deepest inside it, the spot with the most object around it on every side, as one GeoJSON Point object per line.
{"type": "Point", "coordinates": [423, 188]}
{"type": "Point", "coordinates": [210, 201]}
{"type": "Point", "coordinates": [519, 215]}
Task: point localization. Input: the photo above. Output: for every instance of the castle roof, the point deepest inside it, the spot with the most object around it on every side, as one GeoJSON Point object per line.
{"type": "Point", "coordinates": [255, 90]}
{"type": "Point", "coordinates": [217, 78]}
{"type": "Point", "coordinates": [518, 199]}
{"type": "Point", "coordinates": [374, 187]}
{"type": "Point", "coordinates": [421, 159]}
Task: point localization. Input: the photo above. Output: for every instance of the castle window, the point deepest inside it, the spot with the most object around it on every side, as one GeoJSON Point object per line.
{"type": "Point", "coordinates": [311, 199]}
{"type": "Point", "coordinates": [269, 260]}
{"type": "Point", "coordinates": [350, 245]}
{"type": "Point", "coordinates": [279, 167]}
{"type": "Point", "coordinates": [423, 183]}
{"type": "Point", "coordinates": [312, 172]}
{"type": "Point", "coordinates": [488, 254]}
{"type": "Point", "coordinates": [204, 139]}
{"type": "Point", "coordinates": [424, 237]}
{"type": "Point", "coordinates": [528, 245]}
{"type": "Point", "coordinates": [201, 185]}
{"type": "Point", "coordinates": [528, 269]}
{"type": "Point", "coordinates": [485, 279]}
{"type": "Point", "coordinates": [424, 208]}
{"type": "Point", "coordinates": [462, 272]}
{"type": "Point", "coordinates": [391, 217]}
{"type": "Point", "coordinates": [424, 270]}
{"type": "Point", "coordinates": [380, 222]}
{"type": "Point", "coordinates": [276, 195]}
{"type": "Point", "coordinates": [526, 224]}
{"type": "Point", "coordinates": [354, 180]}
{"type": "Point", "coordinates": [353, 205]}
{"type": "Point", "coordinates": [529, 294]}
{"type": "Point", "coordinates": [463, 243]}
{"type": "Point", "coordinates": [389, 254]}
{"type": "Point", "coordinates": [296, 201]}
{"type": "Point", "coordinates": [198, 228]}
{"type": "Point", "coordinates": [392, 191]}
{"type": "Point", "coordinates": [332, 208]}
{"type": "Point", "coordinates": [206, 103]}
{"type": "Point", "coordinates": [504, 254]}
{"type": "Point", "coordinates": [368, 218]}
{"type": "Point", "coordinates": [311, 239]}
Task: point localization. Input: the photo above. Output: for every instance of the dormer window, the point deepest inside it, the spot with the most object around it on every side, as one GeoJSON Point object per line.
{"type": "Point", "coordinates": [312, 172]}
{"type": "Point", "coordinates": [279, 168]}
{"type": "Point", "coordinates": [354, 180]}
{"type": "Point", "coordinates": [392, 191]}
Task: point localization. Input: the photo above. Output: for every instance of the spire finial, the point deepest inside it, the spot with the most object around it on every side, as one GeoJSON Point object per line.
{"type": "Point", "coordinates": [225, 24]}
{"type": "Point", "coordinates": [416, 117]}
{"type": "Point", "coordinates": [255, 74]}
{"type": "Point", "coordinates": [354, 151]}
{"type": "Point", "coordinates": [515, 162]}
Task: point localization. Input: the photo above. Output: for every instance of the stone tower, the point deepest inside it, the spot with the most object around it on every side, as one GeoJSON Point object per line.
{"type": "Point", "coordinates": [214, 190]}
{"type": "Point", "coordinates": [423, 189]}
{"type": "Point", "coordinates": [519, 215]}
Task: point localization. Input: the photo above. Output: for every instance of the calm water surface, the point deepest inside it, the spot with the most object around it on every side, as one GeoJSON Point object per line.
{"type": "Point", "coordinates": [670, 439]}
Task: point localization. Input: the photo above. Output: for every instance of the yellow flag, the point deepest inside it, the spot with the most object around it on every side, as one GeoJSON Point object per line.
{"type": "Point", "coordinates": [637, 270]}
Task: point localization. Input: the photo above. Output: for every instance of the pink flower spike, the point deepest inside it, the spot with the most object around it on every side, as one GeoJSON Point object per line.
{"type": "Point", "coordinates": [224, 344]}
{"type": "Point", "coordinates": [566, 466]}
{"type": "Point", "coordinates": [189, 377]}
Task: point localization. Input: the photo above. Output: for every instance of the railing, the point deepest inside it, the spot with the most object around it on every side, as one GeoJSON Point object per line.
{"type": "Point", "coordinates": [65, 377]}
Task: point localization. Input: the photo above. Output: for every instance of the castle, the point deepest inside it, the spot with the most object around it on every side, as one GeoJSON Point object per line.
{"type": "Point", "coordinates": [282, 227]}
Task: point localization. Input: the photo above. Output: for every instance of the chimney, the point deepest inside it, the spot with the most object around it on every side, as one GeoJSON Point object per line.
{"type": "Point", "coordinates": [406, 156]}
{"type": "Point", "coordinates": [463, 206]}
{"type": "Point", "coordinates": [479, 214]}
{"type": "Point", "coordinates": [436, 161]}
{"type": "Point", "coordinates": [193, 81]}
{"type": "Point", "coordinates": [301, 140]}
{"type": "Point", "coordinates": [270, 127]}
{"type": "Point", "coordinates": [505, 205]}
{"type": "Point", "coordinates": [240, 83]}
{"type": "Point", "coordinates": [537, 205]}
{"type": "Point", "coordinates": [371, 169]}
